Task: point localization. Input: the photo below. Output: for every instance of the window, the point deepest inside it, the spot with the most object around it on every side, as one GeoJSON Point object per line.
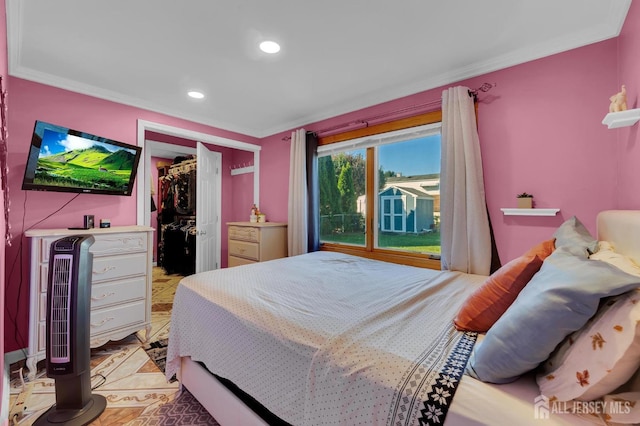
{"type": "Point", "coordinates": [380, 191]}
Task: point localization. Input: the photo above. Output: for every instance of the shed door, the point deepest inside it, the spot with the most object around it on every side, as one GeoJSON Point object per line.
{"type": "Point", "coordinates": [393, 214]}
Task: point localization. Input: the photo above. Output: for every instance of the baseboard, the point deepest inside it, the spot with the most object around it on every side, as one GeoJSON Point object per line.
{"type": "Point", "coordinates": [15, 356]}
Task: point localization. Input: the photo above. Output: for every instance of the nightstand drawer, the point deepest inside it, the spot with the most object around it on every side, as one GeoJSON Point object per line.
{"type": "Point", "coordinates": [239, 261]}
{"type": "Point", "coordinates": [244, 233]}
{"type": "Point", "coordinates": [244, 249]}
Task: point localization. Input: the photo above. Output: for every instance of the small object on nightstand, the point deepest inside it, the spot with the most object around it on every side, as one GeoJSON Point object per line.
{"type": "Point", "coordinates": [105, 223]}
{"type": "Point", "coordinates": [88, 221]}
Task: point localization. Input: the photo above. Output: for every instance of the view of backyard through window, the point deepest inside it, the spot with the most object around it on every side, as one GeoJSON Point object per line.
{"type": "Point", "coordinates": [406, 202]}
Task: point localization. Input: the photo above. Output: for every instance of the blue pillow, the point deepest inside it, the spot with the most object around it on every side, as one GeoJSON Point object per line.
{"type": "Point", "coordinates": [557, 301]}
{"type": "Point", "coordinates": [573, 236]}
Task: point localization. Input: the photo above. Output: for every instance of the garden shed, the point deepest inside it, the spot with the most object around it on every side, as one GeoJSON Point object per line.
{"type": "Point", "coordinates": [406, 210]}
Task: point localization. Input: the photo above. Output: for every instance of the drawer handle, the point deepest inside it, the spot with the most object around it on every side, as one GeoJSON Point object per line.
{"type": "Point", "coordinates": [103, 296]}
{"type": "Point", "coordinates": [102, 322]}
{"type": "Point", "coordinates": [105, 270]}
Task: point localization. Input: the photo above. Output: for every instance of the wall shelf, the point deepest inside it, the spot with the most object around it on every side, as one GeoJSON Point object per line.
{"type": "Point", "coordinates": [242, 170]}
{"type": "Point", "coordinates": [613, 120]}
{"type": "Point", "coordinates": [530, 212]}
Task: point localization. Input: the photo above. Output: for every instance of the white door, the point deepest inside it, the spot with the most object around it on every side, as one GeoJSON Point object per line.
{"type": "Point", "coordinates": [208, 198]}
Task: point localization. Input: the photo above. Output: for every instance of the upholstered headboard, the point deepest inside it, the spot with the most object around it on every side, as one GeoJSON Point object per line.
{"type": "Point", "coordinates": [622, 229]}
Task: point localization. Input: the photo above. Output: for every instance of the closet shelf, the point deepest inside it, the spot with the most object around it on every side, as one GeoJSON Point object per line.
{"type": "Point", "coordinates": [242, 170]}
{"type": "Point", "coordinates": [529, 212]}
{"type": "Point", "coordinates": [626, 118]}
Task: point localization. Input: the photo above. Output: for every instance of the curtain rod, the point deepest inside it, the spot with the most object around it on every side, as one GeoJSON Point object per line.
{"type": "Point", "coordinates": [400, 113]}
{"type": "Point", "coordinates": [484, 88]}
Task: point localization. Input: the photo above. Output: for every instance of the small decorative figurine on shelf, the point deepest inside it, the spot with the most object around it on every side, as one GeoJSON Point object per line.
{"type": "Point", "coordinates": [619, 101]}
{"type": "Point", "coordinates": [525, 201]}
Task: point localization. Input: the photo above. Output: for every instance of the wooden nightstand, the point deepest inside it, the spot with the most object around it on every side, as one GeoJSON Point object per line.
{"type": "Point", "coordinates": [256, 242]}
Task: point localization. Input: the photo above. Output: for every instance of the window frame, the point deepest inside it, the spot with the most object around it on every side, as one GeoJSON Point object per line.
{"type": "Point", "coordinates": [369, 250]}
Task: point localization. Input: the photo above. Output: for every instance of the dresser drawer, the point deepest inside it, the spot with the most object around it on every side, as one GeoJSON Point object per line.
{"type": "Point", "coordinates": [134, 242]}
{"type": "Point", "coordinates": [244, 249]}
{"type": "Point", "coordinates": [42, 336]}
{"type": "Point", "coordinates": [238, 261]}
{"type": "Point", "coordinates": [113, 267]}
{"type": "Point", "coordinates": [106, 294]}
{"type": "Point", "coordinates": [105, 244]}
{"type": "Point", "coordinates": [113, 292]}
{"type": "Point", "coordinates": [42, 314]}
{"type": "Point", "coordinates": [245, 233]}
{"type": "Point", "coordinates": [107, 319]}
{"type": "Point", "coordinates": [44, 277]}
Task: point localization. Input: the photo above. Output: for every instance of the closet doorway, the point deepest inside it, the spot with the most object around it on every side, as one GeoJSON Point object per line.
{"type": "Point", "coordinates": [208, 244]}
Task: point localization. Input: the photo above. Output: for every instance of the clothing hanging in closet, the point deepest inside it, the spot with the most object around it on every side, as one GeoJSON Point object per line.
{"type": "Point", "coordinates": [179, 247]}
{"type": "Point", "coordinates": [176, 211]}
{"type": "Point", "coordinates": [177, 195]}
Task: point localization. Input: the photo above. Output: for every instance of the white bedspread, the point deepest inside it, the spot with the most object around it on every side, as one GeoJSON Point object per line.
{"type": "Point", "coordinates": [312, 359]}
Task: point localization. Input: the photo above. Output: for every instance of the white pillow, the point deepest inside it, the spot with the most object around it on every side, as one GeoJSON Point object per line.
{"type": "Point", "coordinates": [598, 358]}
{"type": "Point", "coordinates": [622, 408]}
{"type": "Point", "coordinates": [607, 254]}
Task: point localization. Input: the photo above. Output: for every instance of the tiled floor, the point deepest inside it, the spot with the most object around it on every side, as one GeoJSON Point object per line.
{"type": "Point", "coordinates": [132, 382]}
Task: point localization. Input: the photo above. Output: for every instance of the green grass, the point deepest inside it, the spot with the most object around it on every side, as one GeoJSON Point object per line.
{"type": "Point", "coordinates": [70, 174]}
{"type": "Point", "coordinates": [422, 243]}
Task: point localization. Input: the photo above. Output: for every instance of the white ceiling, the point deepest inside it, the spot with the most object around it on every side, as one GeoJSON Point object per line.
{"type": "Point", "coordinates": [337, 55]}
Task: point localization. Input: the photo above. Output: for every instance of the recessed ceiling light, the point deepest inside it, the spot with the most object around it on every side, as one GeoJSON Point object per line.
{"type": "Point", "coordinates": [196, 95]}
{"type": "Point", "coordinates": [269, 47]}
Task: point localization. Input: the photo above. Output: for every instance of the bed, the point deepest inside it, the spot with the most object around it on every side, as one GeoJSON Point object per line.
{"type": "Point", "coordinates": [328, 338]}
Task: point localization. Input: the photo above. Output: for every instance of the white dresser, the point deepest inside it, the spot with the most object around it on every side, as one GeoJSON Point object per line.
{"type": "Point", "coordinates": [120, 285]}
{"type": "Point", "coordinates": [256, 242]}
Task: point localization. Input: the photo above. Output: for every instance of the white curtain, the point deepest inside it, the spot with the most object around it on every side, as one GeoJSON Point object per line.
{"type": "Point", "coordinates": [464, 222]}
{"type": "Point", "coordinates": [298, 197]}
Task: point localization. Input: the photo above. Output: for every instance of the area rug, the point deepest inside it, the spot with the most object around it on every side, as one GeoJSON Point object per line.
{"type": "Point", "coordinates": [157, 351]}
{"type": "Point", "coordinates": [183, 410]}
{"type": "Point", "coordinates": [121, 371]}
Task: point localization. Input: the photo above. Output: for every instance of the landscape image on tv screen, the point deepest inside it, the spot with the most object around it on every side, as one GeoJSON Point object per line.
{"type": "Point", "coordinates": [80, 162]}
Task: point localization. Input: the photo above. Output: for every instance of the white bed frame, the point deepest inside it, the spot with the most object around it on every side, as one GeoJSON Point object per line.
{"type": "Point", "coordinates": [223, 404]}
{"type": "Point", "coordinates": [620, 227]}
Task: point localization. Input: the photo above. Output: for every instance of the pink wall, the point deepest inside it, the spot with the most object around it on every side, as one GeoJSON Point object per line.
{"type": "Point", "coordinates": [32, 101]}
{"type": "Point", "coordinates": [540, 132]}
{"type": "Point", "coordinates": [627, 143]}
{"type": "Point", "coordinates": [243, 186]}
{"type": "Point", "coordinates": [4, 393]}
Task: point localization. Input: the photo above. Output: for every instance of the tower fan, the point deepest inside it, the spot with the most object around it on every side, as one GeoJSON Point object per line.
{"type": "Point", "coordinates": [68, 348]}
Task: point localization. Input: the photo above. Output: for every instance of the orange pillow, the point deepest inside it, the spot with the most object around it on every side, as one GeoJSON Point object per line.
{"type": "Point", "coordinates": [487, 304]}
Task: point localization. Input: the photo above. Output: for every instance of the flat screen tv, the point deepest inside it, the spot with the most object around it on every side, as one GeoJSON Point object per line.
{"type": "Point", "coordinates": [67, 160]}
